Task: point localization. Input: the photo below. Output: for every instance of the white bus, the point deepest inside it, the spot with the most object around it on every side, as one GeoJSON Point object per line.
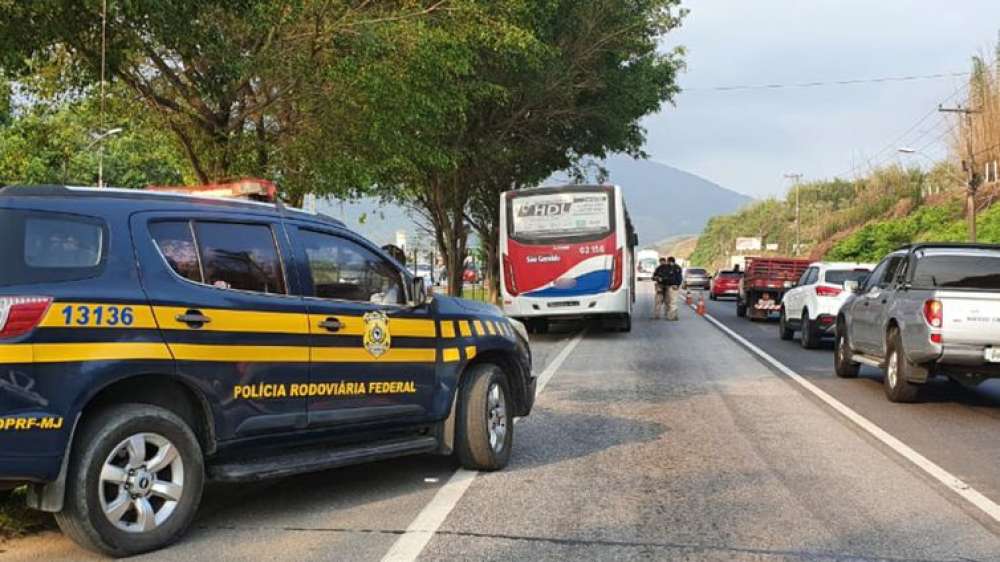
{"type": "Point", "coordinates": [567, 253]}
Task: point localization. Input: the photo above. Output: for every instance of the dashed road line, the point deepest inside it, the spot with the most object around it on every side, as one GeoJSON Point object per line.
{"type": "Point", "coordinates": [987, 506]}
{"type": "Point", "coordinates": [427, 523]}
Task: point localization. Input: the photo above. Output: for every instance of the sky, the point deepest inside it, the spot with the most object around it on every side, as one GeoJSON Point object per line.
{"type": "Point", "coordinates": [747, 140]}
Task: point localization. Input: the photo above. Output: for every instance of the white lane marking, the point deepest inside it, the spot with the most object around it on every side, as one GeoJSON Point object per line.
{"type": "Point", "coordinates": [949, 480]}
{"type": "Point", "coordinates": [420, 532]}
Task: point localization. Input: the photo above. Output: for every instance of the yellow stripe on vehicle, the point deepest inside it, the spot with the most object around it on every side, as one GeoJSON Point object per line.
{"type": "Point", "coordinates": [451, 355]}
{"type": "Point", "coordinates": [78, 352]}
{"type": "Point", "coordinates": [412, 327]}
{"type": "Point", "coordinates": [98, 315]}
{"type": "Point", "coordinates": [466, 328]}
{"type": "Point", "coordinates": [480, 328]}
{"type": "Point", "coordinates": [361, 355]}
{"type": "Point", "coordinates": [355, 326]}
{"type": "Point", "coordinates": [470, 353]}
{"type": "Point", "coordinates": [240, 353]}
{"type": "Point", "coordinates": [16, 353]}
{"type": "Point", "coordinates": [223, 320]}
{"type": "Point", "coordinates": [447, 329]}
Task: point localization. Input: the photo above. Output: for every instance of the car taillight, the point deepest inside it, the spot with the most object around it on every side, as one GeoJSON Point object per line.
{"type": "Point", "coordinates": [20, 315]}
{"type": "Point", "coordinates": [824, 291]}
{"type": "Point", "coordinates": [616, 274]}
{"type": "Point", "coordinates": [508, 276]}
{"type": "Point", "coordinates": [934, 313]}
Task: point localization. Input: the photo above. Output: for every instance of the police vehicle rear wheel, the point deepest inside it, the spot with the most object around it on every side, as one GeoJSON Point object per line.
{"type": "Point", "coordinates": [135, 481]}
{"type": "Point", "coordinates": [484, 428]}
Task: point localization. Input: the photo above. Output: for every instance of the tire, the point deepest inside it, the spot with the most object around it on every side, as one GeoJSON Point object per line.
{"type": "Point", "coordinates": [843, 366]}
{"type": "Point", "coordinates": [741, 309]}
{"type": "Point", "coordinates": [712, 297]}
{"type": "Point", "coordinates": [626, 323]}
{"type": "Point", "coordinates": [478, 443]}
{"type": "Point", "coordinates": [898, 370]}
{"type": "Point", "coordinates": [784, 332]}
{"type": "Point", "coordinates": [807, 332]}
{"type": "Point", "coordinates": [103, 444]}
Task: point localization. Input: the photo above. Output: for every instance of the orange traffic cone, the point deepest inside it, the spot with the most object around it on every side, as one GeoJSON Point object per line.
{"type": "Point", "coordinates": [688, 297]}
{"type": "Point", "coordinates": [701, 306]}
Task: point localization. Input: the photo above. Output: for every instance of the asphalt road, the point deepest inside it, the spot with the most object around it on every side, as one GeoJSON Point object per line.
{"type": "Point", "coordinates": [672, 442]}
{"type": "Point", "coordinates": [955, 427]}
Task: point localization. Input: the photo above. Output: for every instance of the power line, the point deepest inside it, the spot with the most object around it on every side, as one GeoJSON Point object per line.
{"type": "Point", "coordinates": [818, 84]}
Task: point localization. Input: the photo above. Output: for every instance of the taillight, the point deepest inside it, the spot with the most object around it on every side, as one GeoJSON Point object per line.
{"type": "Point", "coordinates": [20, 315]}
{"type": "Point", "coordinates": [617, 267]}
{"type": "Point", "coordinates": [824, 291]}
{"type": "Point", "coordinates": [934, 313]}
{"type": "Point", "coordinates": [508, 276]}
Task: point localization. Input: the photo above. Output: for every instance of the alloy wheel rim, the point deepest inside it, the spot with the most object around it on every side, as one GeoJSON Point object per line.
{"type": "Point", "coordinates": [892, 371]}
{"type": "Point", "coordinates": [141, 483]}
{"type": "Point", "coordinates": [496, 417]}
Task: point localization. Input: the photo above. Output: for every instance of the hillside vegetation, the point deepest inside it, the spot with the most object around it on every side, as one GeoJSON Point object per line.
{"type": "Point", "coordinates": [864, 218]}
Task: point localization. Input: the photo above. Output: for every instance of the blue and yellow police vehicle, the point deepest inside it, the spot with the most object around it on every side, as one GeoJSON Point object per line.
{"type": "Point", "coordinates": [150, 342]}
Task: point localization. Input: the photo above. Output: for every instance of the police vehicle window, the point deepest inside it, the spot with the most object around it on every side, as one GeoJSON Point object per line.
{"type": "Point", "coordinates": [980, 272]}
{"type": "Point", "coordinates": [176, 242]}
{"type": "Point", "coordinates": [240, 256]}
{"type": "Point", "coordinates": [48, 247]}
{"type": "Point", "coordinates": [342, 269]}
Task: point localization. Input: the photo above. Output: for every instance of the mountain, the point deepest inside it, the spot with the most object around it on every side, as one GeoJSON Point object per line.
{"type": "Point", "coordinates": [665, 201]}
{"type": "Point", "coordinates": [662, 200]}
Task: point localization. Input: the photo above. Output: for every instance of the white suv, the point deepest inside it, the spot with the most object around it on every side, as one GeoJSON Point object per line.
{"type": "Point", "coordinates": [812, 305]}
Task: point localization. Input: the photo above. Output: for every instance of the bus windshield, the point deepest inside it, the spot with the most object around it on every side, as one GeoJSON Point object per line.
{"type": "Point", "coordinates": [561, 216]}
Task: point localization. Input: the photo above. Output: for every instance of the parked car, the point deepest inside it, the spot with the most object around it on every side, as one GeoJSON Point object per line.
{"type": "Point", "coordinates": [811, 306]}
{"type": "Point", "coordinates": [158, 341]}
{"type": "Point", "coordinates": [725, 284]}
{"type": "Point", "coordinates": [696, 278]}
{"type": "Point", "coordinates": [926, 310]}
{"type": "Point", "coordinates": [764, 282]}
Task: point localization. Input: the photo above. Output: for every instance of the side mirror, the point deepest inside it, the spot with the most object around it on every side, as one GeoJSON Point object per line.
{"type": "Point", "coordinates": [419, 292]}
{"type": "Point", "coordinates": [851, 286]}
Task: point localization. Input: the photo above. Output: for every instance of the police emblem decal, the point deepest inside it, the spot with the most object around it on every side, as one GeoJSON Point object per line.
{"type": "Point", "coordinates": [377, 339]}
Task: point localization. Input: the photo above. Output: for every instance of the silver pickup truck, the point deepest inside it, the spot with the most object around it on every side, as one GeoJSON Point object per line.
{"type": "Point", "coordinates": [926, 310]}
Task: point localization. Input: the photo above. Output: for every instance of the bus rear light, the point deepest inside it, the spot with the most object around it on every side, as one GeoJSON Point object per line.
{"type": "Point", "coordinates": [617, 269]}
{"type": "Point", "coordinates": [824, 291]}
{"type": "Point", "coordinates": [934, 313]}
{"type": "Point", "coordinates": [20, 315]}
{"type": "Point", "coordinates": [508, 276]}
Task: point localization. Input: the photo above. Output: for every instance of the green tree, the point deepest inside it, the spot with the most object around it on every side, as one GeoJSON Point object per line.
{"type": "Point", "coordinates": [238, 83]}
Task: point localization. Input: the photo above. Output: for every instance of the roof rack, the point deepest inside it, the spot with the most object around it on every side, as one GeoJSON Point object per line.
{"type": "Point", "coordinates": [945, 245]}
{"type": "Point", "coordinates": [164, 192]}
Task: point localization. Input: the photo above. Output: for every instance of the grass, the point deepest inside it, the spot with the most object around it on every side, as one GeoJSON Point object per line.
{"type": "Point", "coordinates": [16, 519]}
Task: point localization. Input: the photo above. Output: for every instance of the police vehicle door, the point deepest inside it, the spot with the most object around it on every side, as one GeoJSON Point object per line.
{"type": "Point", "coordinates": [222, 299]}
{"type": "Point", "coordinates": [373, 358]}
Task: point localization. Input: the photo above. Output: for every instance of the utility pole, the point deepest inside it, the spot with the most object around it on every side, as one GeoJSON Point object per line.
{"type": "Point", "coordinates": [798, 214]}
{"type": "Point", "coordinates": [104, 49]}
{"type": "Point", "coordinates": [969, 166]}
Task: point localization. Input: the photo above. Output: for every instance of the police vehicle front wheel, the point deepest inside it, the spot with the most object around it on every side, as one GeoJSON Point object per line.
{"type": "Point", "coordinates": [484, 428]}
{"type": "Point", "coordinates": [135, 481]}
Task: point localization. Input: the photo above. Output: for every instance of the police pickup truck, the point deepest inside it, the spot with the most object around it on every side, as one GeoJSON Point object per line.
{"type": "Point", "coordinates": [149, 342]}
{"type": "Point", "coordinates": [926, 309]}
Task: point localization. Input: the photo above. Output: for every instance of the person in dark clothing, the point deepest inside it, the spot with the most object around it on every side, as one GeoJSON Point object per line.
{"type": "Point", "coordinates": [668, 277]}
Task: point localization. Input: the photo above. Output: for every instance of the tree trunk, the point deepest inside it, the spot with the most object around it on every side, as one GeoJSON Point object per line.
{"type": "Point", "coordinates": [491, 241]}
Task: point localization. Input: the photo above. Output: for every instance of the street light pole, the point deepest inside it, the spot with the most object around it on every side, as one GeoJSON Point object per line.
{"type": "Point", "coordinates": [98, 139]}
{"type": "Point", "coordinates": [798, 222]}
